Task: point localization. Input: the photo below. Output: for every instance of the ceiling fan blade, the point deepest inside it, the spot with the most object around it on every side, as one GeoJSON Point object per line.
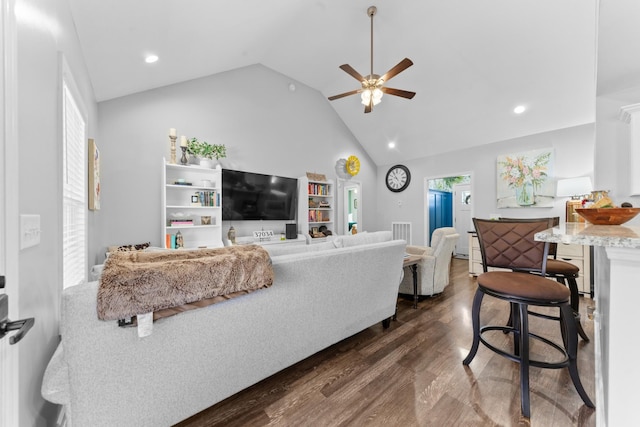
{"type": "Point", "coordinates": [349, 70]}
{"type": "Point", "coordinates": [401, 66]}
{"type": "Point", "coordinates": [398, 92]}
{"type": "Point", "coordinates": [342, 95]}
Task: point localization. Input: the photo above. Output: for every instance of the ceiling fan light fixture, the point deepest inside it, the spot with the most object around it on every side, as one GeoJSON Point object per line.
{"type": "Point", "coordinates": [367, 94]}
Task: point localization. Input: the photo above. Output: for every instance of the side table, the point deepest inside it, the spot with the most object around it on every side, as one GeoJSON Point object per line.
{"type": "Point", "coordinates": [411, 261]}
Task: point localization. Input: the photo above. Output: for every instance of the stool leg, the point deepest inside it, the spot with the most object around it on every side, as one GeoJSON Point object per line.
{"type": "Point", "coordinates": [525, 404]}
{"type": "Point", "coordinates": [575, 305]}
{"type": "Point", "coordinates": [571, 342]}
{"type": "Point", "coordinates": [514, 318]}
{"type": "Point", "coordinates": [475, 316]}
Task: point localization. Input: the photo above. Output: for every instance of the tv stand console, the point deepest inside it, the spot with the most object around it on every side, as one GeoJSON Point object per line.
{"type": "Point", "coordinates": [248, 240]}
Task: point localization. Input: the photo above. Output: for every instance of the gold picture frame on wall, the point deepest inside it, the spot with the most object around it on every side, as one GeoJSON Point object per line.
{"type": "Point", "coordinates": [94, 176]}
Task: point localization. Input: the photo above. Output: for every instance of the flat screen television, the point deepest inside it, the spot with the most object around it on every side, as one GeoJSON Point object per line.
{"type": "Point", "coordinates": [255, 196]}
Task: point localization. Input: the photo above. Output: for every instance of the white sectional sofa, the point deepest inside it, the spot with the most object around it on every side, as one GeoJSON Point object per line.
{"type": "Point", "coordinates": [106, 375]}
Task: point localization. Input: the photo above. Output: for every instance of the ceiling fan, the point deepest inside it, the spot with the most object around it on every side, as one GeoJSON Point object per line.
{"type": "Point", "coordinates": [373, 84]}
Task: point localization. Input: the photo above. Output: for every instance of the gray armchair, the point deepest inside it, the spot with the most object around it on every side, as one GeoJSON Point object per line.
{"type": "Point", "coordinates": [433, 268]}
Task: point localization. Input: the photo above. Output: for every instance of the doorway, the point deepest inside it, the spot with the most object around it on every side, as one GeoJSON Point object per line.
{"type": "Point", "coordinates": [448, 203]}
{"type": "Point", "coordinates": [9, 211]}
{"type": "Point", "coordinates": [351, 202]}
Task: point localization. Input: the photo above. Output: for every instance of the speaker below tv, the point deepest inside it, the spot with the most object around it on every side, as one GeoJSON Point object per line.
{"type": "Point", "coordinates": [291, 231]}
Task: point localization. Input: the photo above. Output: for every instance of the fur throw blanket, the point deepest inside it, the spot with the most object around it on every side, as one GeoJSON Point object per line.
{"type": "Point", "coordinates": [142, 282]}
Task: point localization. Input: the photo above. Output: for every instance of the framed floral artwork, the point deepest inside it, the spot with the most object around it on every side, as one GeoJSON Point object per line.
{"type": "Point", "coordinates": [526, 179]}
{"type": "Point", "coordinates": [94, 176]}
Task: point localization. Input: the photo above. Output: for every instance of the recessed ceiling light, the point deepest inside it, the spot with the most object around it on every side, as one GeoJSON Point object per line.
{"type": "Point", "coordinates": [392, 145]}
{"type": "Point", "coordinates": [150, 59]}
{"type": "Point", "coordinates": [519, 109]}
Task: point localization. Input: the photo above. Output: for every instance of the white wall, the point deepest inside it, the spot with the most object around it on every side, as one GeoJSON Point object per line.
{"type": "Point", "coordinates": [612, 145]}
{"type": "Point", "coordinates": [44, 30]}
{"type": "Point", "coordinates": [574, 156]}
{"type": "Point", "coordinates": [266, 128]}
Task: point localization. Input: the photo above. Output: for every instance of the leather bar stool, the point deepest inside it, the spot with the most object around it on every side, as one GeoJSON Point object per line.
{"type": "Point", "coordinates": [511, 245]}
{"type": "Point", "coordinates": [563, 272]}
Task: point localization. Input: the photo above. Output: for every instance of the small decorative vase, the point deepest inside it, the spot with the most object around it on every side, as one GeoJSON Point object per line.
{"type": "Point", "coordinates": [524, 195]}
{"type": "Point", "coordinates": [207, 163]}
{"type": "Point", "coordinates": [232, 234]}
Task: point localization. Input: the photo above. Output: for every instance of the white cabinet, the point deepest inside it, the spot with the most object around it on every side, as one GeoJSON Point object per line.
{"type": "Point", "coordinates": [192, 205]}
{"type": "Point", "coordinates": [475, 256]}
{"type": "Point", "coordinates": [577, 255]}
{"type": "Point", "coordinates": [315, 205]}
{"type": "Point", "coordinates": [580, 256]}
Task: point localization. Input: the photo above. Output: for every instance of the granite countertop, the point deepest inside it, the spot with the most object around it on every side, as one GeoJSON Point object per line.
{"type": "Point", "coordinates": [579, 233]}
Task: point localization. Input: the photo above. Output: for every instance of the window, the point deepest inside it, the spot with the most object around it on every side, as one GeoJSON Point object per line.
{"type": "Point", "coordinates": [74, 189]}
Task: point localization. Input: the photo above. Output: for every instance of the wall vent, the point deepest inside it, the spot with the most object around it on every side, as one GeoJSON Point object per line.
{"type": "Point", "coordinates": [401, 230]}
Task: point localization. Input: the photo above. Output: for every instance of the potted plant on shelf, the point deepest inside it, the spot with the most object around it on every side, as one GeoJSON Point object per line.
{"type": "Point", "coordinates": [206, 152]}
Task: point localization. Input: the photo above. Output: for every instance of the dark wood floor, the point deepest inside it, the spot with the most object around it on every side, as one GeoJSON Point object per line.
{"type": "Point", "coordinates": [412, 375]}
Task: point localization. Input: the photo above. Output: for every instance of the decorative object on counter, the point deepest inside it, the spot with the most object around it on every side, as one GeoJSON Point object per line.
{"type": "Point", "coordinates": [577, 189]}
{"type": "Point", "coordinates": [597, 195]}
{"type": "Point", "coordinates": [205, 220]}
{"type": "Point", "coordinates": [608, 216]}
{"type": "Point", "coordinates": [172, 138]}
{"type": "Point", "coordinates": [232, 234]}
{"type": "Point", "coordinates": [525, 179]}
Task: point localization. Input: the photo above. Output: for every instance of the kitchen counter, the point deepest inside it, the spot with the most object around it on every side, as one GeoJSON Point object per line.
{"type": "Point", "coordinates": [617, 293]}
{"type": "Point", "coordinates": [616, 236]}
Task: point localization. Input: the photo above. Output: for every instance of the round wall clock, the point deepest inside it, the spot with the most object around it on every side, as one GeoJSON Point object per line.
{"type": "Point", "coordinates": [398, 178]}
{"type": "Point", "coordinates": [353, 165]}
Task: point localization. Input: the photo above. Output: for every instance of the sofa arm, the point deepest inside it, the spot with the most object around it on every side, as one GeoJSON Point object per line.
{"type": "Point", "coordinates": [55, 384]}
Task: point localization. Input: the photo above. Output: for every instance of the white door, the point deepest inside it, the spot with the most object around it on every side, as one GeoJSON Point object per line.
{"type": "Point", "coordinates": [351, 202]}
{"type": "Point", "coordinates": [462, 216]}
{"type": "Point", "coordinates": [8, 209]}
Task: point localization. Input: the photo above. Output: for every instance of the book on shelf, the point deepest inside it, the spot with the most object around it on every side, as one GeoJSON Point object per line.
{"type": "Point", "coordinates": [209, 198]}
{"type": "Point", "coordinates": [181, 222]}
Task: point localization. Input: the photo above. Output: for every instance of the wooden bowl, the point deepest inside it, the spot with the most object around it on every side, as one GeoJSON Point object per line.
{"type": "Point", "coordinates": [608, 216]}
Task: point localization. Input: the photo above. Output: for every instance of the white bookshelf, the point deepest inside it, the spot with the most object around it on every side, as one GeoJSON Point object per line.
{"type": "Point", "coordinates": [316, 205]}
{"type": "Point", "coordinates": [177, 204]}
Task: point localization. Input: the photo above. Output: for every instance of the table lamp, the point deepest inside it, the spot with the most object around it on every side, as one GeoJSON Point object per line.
{"type": "Point", "coordinates": [577, 189]}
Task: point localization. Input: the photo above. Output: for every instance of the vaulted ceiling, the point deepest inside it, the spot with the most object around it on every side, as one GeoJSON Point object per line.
{"type": "Point", "coordinates": [474, 60]}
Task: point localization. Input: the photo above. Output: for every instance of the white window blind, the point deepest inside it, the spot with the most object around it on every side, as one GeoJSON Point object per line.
{"type": "Point", "coordinates": [74, 166]}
